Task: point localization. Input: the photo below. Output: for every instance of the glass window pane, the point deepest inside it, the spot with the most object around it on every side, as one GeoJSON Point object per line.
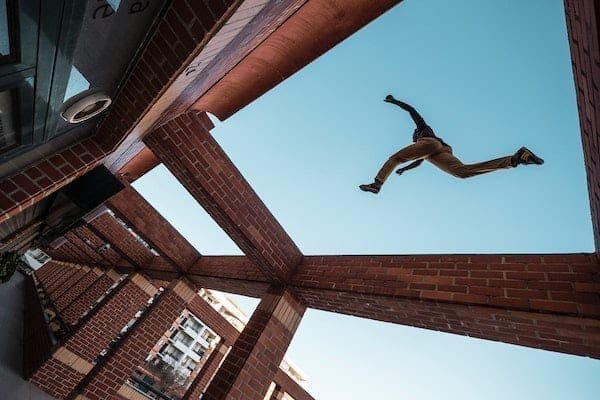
{"type": "Point", "coordinates": [4, 30]}
{"type": "Point", "coordinates": [9, 136]}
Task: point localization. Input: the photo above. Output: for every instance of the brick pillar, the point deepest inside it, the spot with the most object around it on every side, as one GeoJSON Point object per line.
{"type": "Point", "coordinates": [193, 156]}
{"type": "Point", "coordinates": [49, 273]}
{"type": "Point", "coordinates": [77, 289]}
{"type": "Point", "coordinates": [65, 274]}
{"type": "Point", "coordinates": [79, 272]}
{"type": "Point", "coordinates": [71, 312]}
{"type": "Point", "coordinates": [207, 372]}
{"type": "Point", "coordinates": [254, 359]}
{"type": "Point", "coordinates": [107, 381]}
{"type": "Point", "coordinates": [289, 386]}
{"type": "Point", "coordinates": [583, 26]}
{"type": "Point", "coordinates": [45, 270]}
{"type": "Point", "coordinates": [71, 361]}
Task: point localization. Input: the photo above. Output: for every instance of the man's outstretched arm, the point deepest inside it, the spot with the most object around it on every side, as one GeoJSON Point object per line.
{"type": "Point", "coordinates": [419, 121]}
{"type": "Point", "coordinates": [412, 165]}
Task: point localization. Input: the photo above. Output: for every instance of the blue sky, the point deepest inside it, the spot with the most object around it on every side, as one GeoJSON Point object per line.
{"type": "Point", "coordinates": [489, 77]}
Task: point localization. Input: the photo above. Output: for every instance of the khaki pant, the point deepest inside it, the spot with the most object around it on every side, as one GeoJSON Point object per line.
{"type": "Point", "coordinates": [441, 156]}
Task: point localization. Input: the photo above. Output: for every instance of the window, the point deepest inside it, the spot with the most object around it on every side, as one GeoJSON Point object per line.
{"type": "Point", "coordinates": [6, 22]}
{"type": "Point", "coordinates": [172, 354]}
{"type": "Point", "coordinates": [193, 325]}
{"type": "Point", "coordinates": [199, 349]}
{"type": "Point", "coordinates": [189, 363]}
{"type": "Point", "coordinates": [9, 136]}
{"type": "Point", "coordinates": [208, 336]}
{"type": "Point", "coordinates": [184, 338]}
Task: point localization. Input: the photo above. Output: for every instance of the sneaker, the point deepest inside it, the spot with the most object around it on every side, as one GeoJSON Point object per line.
{"type": "Point", "coordinates": [525, 156]}
{"type": "Point", "coordinates": [371, 187]}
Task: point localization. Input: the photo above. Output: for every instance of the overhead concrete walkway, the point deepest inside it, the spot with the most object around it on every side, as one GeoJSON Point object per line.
{"type": "Point", "coordinates": [12, 385]}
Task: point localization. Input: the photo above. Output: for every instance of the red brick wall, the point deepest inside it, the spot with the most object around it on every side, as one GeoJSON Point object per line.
{"type": "Point", "coordinates": [235, 267]}
{"type": "Point", "coordinates": [235, 286]}
{"type": "Point", "coordinates": [88, 251]}
{"type": "Point", "coordinates": [62, 253]}
{"type": "Point", "coordinates": [56, 378]}
{"type": "Point", "coordinates": [206, 373]}
{"type": "Point", "coordinates": [48, 272]}
{"type": "Point", "coordinates": [47, 176]}
{"type": "Point", "coordinates": [153, 227]}
{"type": "Point", "coordinates": [67, 272]}
{"type": "Point", "coordinates": [186, 147]}
{"type": "Point", "coordinates": [20, 239]}
{"type": "Point", "coordinates": [110, 256]}
{"type": "Point", "coordinates": [45, 270]}
{"type": "Point", "coordinates": [561, 333]}
{"type": "Point", "coordinates": [95, 333]}
{"type": "Point", "coordinates": [254, 359]}
{"type": "Point", "coordinates": [291, 387]}
{"type": "Point", "coordinates": [91, 335]}
{"type": "Point", "coordinates": [79, 273]}
{"type": "Point", "coordinates": [76, 290]}
{"type": "Point", "coordinates": [213, 319]}
{"type": "Point", "coordinates": [108, 228]}
{"type": "Point", "coordinates": [139, 165]}
{"type": "Point", "coordinates": [303, 37]}
{"type": "Point", "coordinates": [73, 311]}
{"type": "Point", "coordinates": [543, 301]}
{"type": "Point", "coordinates": [180, 35]}
{"type": "Point", "coordinates": [583, 23]}
{"type": "Point", "coordinates": [232, 274]}
{"type": "Point", "coordinates": [564, 284]}
{"type": "Point", "coordinates": [107, 378]}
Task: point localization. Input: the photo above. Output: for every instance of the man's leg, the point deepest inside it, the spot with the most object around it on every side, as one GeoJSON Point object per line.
{"type": "Point", "coordinates": [447, 162]}
{"type": "Point", "coordinates": [421, 149]}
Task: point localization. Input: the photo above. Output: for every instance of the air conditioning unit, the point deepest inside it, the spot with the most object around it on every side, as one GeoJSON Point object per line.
{"type": "Point", "coordinates": [85, 108]}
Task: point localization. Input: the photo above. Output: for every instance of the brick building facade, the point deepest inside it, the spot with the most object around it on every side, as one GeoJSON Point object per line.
{"type": "Point", "coordinates": [67, 191]}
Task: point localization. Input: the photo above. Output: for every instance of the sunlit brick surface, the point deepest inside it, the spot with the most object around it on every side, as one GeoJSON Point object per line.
{"type": "Point", "coordinates": [254, 358]}
{"type": "Point", "coordinates": [187, 148]}
{"type": "Point", "coordinates": [583, 22]}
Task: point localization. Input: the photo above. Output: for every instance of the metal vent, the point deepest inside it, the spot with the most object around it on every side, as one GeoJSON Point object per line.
{"type": "Point", "coordinates": [85, 108]}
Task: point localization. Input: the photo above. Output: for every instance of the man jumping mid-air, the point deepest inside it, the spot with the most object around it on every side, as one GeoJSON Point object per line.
{"type": "Point", "coordinates": [429, 147]}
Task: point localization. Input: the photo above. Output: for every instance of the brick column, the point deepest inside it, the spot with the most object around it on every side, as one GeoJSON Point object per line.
{"type": "Point", "coordinates": [130, 206]}
{"type": "Point", "coordinates": [63, 277]}
{"type": "Point", "coordinates": [72, 360]}
{"type": "Point", "coordinates": [583, 22]}
{"type": "Point", "coordinates": [109, 377]}
{"type": "Point", "coordinates": [71, 311]}
{"type": "Point", "coordinates": [77, 289]}
{"type": "Point", "coordinates": [48, 272]}
{"type": "Point", "coordinates": [79, 272]}
{"type": "Point", "coordinates": [20, 240]}
{"type": "Point", "coordinates": [231, 274]}
{"type": "Point", "coordinates": [254, 359]}
{"type": "Point", "coordinates": [106, 227]}
{"type": "Point", "coordinates": [207, 372]}
{"type": "Point", "coordinates": [189, 151]}
{"type": "Point", "coordinates": [290, 386]}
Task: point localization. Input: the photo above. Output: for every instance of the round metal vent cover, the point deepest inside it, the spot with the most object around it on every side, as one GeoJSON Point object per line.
{"type": "Point", "coordinates": [86, 108]}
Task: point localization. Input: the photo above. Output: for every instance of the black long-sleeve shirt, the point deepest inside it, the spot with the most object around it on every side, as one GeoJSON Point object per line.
{"type": "Point", "coordinates": [422, 129]}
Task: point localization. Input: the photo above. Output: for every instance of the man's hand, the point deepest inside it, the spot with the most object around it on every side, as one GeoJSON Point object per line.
{"type": "Point", "coordinates": [389, 98]}
{"type": "Point", "coordinates": [412, 165]}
